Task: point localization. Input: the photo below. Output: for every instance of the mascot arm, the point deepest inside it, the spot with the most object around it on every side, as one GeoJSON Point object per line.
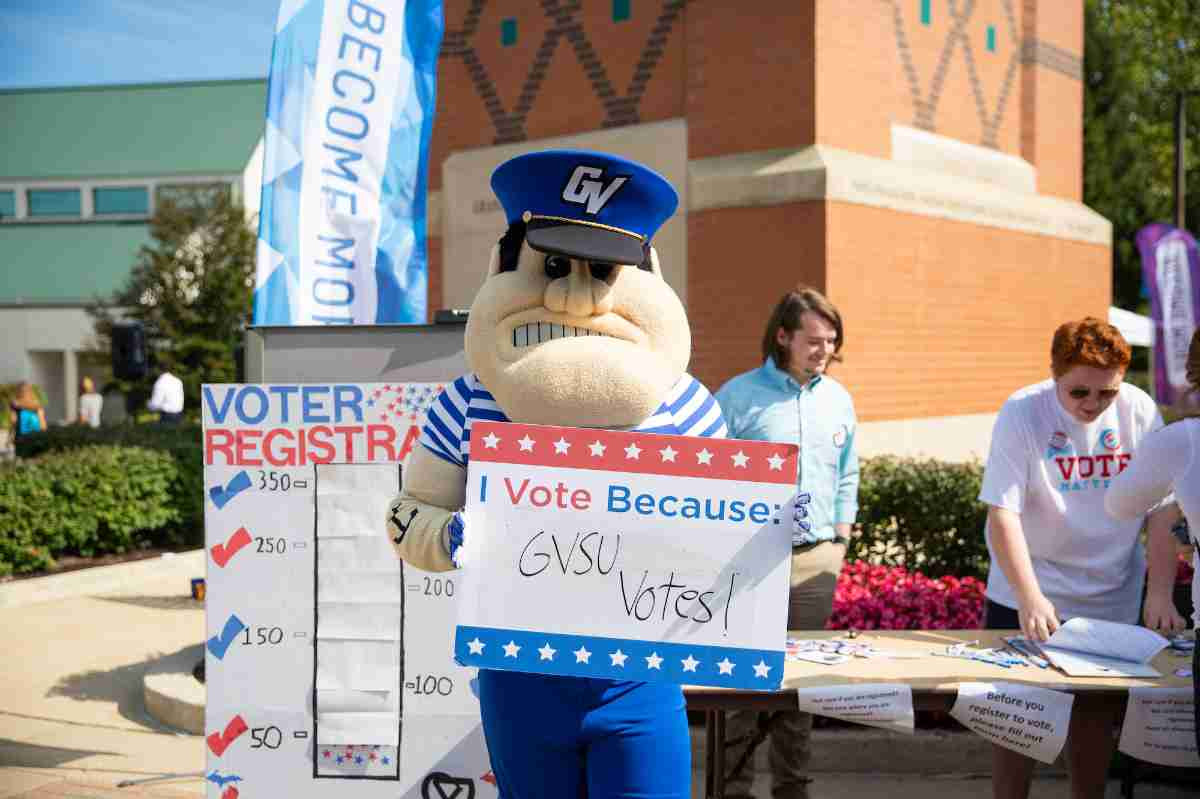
{"type": "Point", "coordinates": [419, 519]}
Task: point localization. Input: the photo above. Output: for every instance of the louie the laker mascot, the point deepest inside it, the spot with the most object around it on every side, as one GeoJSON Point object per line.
{"type": "Point", "coordinates": [574, 326]}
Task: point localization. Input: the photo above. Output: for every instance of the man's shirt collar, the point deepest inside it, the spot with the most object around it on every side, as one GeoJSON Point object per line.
{"type": "Point", "coordinates": [784, 380]}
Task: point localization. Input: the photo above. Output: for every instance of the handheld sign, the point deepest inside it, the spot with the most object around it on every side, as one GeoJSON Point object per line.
{"type": "Point", "coordinates": [626, 555]}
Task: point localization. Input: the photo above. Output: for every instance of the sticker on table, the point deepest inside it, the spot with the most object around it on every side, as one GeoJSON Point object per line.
{"type": "Point", "coordinates": [1160, 726]}
{"type": "Point", "coordinates": [885, 705]}
{"type": "Point", "coordinates": [625, 555]}
{"type": "Point", "coordinates": [1025, 719]}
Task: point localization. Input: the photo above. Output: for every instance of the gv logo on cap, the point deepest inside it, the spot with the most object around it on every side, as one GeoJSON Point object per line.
{"type": "Point", "coordinates": [586, 186]}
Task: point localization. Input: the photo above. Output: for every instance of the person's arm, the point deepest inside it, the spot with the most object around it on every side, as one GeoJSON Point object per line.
{"type": "Point", "coordinates": [1147, 480]}
{"type": "Point", "coordinates": [845, 501]}
{"type": "Point", "coordinates": [1036, 613]}
{"type": "Point", "coordinates": [156, 396]}
{"type": "Point", "coordinates": [1161, 555]}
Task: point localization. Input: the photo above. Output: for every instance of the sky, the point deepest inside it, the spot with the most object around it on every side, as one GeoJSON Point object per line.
{"type": "Point", "coordinates": [87, 42]}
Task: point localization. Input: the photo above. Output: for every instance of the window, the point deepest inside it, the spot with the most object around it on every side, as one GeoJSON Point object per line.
{"type": "Point", "coordinates": [191, 194]}
{"type": "Point", "coordinates": [8, 204]}
{"type": "Point", "coordinates": [508, 32]}
{"type": "Point", "coordinates": [620, 10]}
{"type": "Point", "coordinates": [121, 200]}
{"type": "Point", "coordinates": [54, 202]}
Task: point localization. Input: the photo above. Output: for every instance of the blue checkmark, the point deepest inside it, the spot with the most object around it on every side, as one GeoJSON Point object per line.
{"type": "Point", "coordinates": [219, 644]}
{"type": "Point", "coordinates": [221, 495]}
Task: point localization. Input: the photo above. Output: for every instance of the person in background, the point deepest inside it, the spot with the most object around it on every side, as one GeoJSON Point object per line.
{"type": "Point", "coordinates": [27, 412]}
{"type": "Point", "coordinates": [1168, 461]}
{"type": "Point", "coordinates": [167, 399]}
{"type": "Point", "coordinates": [792, 399]}
{"type": "Point", "coordinates": [90, 403]}
{"type": "Point", "coordinates": [1055, 553]}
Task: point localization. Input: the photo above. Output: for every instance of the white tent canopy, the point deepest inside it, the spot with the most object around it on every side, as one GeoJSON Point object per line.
{"type": "Point", "coordinates": [1138, 330]}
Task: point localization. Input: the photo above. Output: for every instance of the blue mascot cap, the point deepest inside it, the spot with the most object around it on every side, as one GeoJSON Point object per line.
{"type": "Point", "coordinates": [587, 205]}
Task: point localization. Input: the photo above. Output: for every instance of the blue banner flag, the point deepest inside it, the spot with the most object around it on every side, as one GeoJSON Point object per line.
{"type": "Point", "coordinates": [350, 99]}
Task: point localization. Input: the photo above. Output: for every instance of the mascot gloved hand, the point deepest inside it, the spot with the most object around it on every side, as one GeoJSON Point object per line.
{"type": "Point", "coordinates": [573, 326]}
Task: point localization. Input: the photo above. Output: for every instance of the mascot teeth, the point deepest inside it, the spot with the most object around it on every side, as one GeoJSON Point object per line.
{"type": "Point", "coordinates": [538, 332]}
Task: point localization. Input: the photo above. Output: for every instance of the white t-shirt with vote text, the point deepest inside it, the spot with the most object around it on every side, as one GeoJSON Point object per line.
{"type": "Point", "coordinates": [1052, 471]}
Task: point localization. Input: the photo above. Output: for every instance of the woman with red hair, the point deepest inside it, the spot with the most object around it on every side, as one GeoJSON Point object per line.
{"type": "Point", "coordinates": [1055, 552]}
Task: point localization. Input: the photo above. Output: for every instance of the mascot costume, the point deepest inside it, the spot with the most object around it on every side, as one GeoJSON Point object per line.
{"type": "Point", "coordinates": [573, 326]}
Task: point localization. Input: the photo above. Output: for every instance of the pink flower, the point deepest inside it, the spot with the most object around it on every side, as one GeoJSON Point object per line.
{"type": "Point", "coordinates": [871, 597]}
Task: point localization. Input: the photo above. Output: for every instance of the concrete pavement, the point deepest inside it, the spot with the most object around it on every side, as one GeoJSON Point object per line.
{"type": "Point", "coordinates": [73, 723]}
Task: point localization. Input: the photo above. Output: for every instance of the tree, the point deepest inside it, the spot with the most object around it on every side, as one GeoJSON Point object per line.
{"type": "Point", "coordinates": [192, 289]}
{"type": "Point", "coordinates": [1137, 55]}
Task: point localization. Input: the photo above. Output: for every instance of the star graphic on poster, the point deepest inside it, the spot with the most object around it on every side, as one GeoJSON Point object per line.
{"type": "Point", "coordinates": [633, 451]}
{"type": "Point", "coordinates": [618, 658]}
{"type": "Point", "coordinates": [704, 457]}
{"type": "Point", "coordinates": [668, 454]}
{"type": "Point", "coordinates": [476, 646]}
{"type": "Point", "coordinates": [597, 448]}
{"type": "Point", "coordinates": [526, 443]}
{"type": "Point", "coordinates": [491, 440]}
{"type": "Point", "coordinates": [761, 669]}
{"type": "Point", "coordinates": [561, 446]}
{"type": "Point", "coordinates": [547, 651]}
{"type": "Point", "coordinates": [653, 661]}
{"type": "Point", "coordinates": [725, 666]}
{"type": "Point", "coordinates": [511, 649]}
{"type": "Point", "coordinates": [582, 655]}
{"type": "Point", "coordinates": [740, 459]}
{"type": "Point", "coordinates": [689, 663]}
{"type": "Point", "coordinates": [776, 462]}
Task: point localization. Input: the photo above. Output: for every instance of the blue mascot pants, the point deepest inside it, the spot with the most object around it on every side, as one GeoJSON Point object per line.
{"type": "Point", "coordinates": [579, 738]}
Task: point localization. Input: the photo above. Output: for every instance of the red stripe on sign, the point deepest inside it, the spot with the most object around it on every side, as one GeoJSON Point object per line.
{"type": "Point", "coordinates": [646, 453]}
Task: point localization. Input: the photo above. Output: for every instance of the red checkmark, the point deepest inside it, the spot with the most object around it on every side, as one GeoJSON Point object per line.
{"type": "Point", "coordinates": [223, 552]}
{"type": "Point", "coordinates": [218, 742]}
{"type": "Point", "coordinates": [230, 793]}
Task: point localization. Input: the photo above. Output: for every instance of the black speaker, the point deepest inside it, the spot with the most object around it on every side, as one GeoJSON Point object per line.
{"type": "Point", "coordinates": [128, 351]}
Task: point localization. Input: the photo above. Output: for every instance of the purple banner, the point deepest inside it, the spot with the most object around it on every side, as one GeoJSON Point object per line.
{"type": "Point", "coordinates": [1171, 270]}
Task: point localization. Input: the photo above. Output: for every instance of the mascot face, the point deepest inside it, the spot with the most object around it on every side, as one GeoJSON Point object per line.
{"type": "Point", "coordinates": [566, 341]}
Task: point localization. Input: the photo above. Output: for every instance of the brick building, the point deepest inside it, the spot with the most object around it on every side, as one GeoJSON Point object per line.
{"type": "Point", "coordinates": [920, 161]}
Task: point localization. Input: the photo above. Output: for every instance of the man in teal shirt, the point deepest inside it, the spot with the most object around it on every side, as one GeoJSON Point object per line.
{"type": "Point", "coordinates": [792, 399]}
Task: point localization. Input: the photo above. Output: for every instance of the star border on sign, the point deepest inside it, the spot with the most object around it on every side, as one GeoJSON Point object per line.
{"type": "Point", "coordinates": [618, 658]}
{"type": "Point", "coordinates": [582, 655]}
{"type": "Point", "coordinates": [491, 440]}
{"type": "Point", "coordinates": [726, 666]}
{"type": "Point", "coordinates": [653, 661]}
{"type": "Point", "coordinates": [740, 459]}
{"type": "Point", "coordinates": [597, 448]}
{"type": "Point", "coordinates": [633, 451]}
{"type": "Point", "coordinates": [526, 443]}
{"type": "Point", "coordinates": [561, 446]}
{"type": "Point", "coordinates": [761, 669]}
{"type": "Point", "coordinates": [704, 457]}
{"type": "Point", "coordinates": [511, 649]}
{"type": "Point", "coordinates": [476, 646]}
{"type": "Point", "coordinates": [689, 663]}
{"type": "Point", "coordinates": [776, 462]}
{"type": "Point", "coordinates": [547, 652]}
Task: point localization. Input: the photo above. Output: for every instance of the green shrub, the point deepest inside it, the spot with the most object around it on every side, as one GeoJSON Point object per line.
{"type": "Point", "coordinates": [182, 443]}
{"type": "Point", "coordinates": [82, 502]}
{"type": "Point", "coordinates": [921, 514]}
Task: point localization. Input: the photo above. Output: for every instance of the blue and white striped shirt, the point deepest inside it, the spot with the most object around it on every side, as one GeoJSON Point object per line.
{"type": "Point", "coordinates": [688, 410]}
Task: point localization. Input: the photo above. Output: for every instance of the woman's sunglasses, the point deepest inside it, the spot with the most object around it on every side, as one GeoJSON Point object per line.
{"type": "Point", "coordinates": [1103, 394]}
